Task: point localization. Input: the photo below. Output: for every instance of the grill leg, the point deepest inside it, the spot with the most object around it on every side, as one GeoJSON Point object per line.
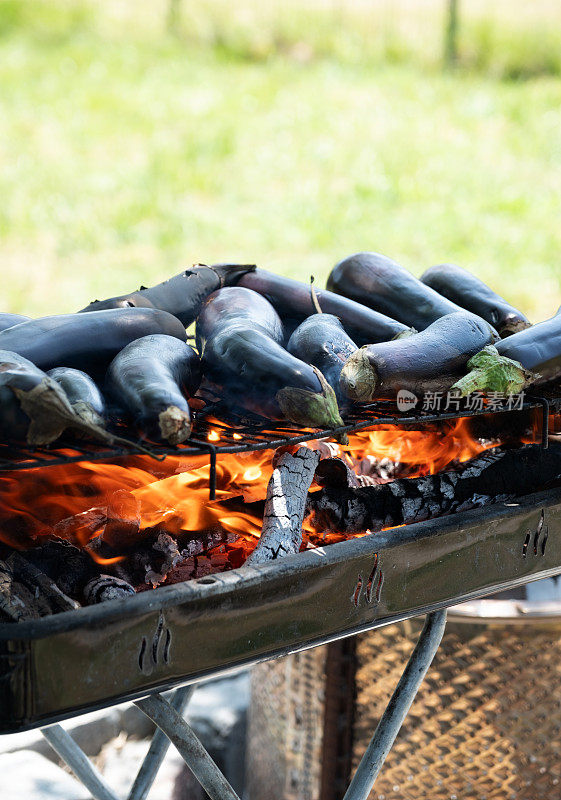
{"type": "Point", "coordinates": [61, 741]}
{"type": "Point", "coordinates": [158, 749]}
{"type": "Point", "coordinates": [396, 710]}
{"type": "Point", "coordinates": [182, 736]}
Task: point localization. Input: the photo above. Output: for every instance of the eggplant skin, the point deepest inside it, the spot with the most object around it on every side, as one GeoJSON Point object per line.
{"type": "Point", "coordinates": [86, 341]}
{"type": "Point", "coordinates": [8, 320]}
{"type": "Point", "coordinates": [538, 348]}
{"type": "Point", "coordinates": [293, 302]}
{"type": "Point", "coordinates": [20, 379]}
{"type": "Point", "coordinates": [82, 392]}
{"type": "Point", "coordinates": [427, 361]}
{"type": "Point", "coordinates": [469, 292]}
{"type": "Point", "coordinates": [182, 295]}
{"type": "Point", "coordinates": [322, 341]}
{"type": "Point", "coordinates": [386, 286]}
{"type": "Point", "coordinates": [239, 335]}
{"type": "Point", "coordinates": [150, 378]}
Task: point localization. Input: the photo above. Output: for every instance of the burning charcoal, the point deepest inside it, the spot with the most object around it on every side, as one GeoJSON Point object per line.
{"type": "Point", "coordinates": [502, 474]}
{"type": "Point", "coordinates": [68, 566]}
{"type": "Point", "coordinates": [335, 472]}
{"type": "Point", "coordinates": [27, 593]}
{"type": "Point", "coordinates": [80, 527]}
{"type": "Point", "coordinates": [166, 545]}
{"type": "Point", "coordinates": [123, 520]}
{"type": "Point", "coordinates": [106, 587]}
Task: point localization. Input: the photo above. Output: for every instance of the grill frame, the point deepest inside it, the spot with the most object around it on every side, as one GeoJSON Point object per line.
{"type": "Point", "coordinates": [73, 662]}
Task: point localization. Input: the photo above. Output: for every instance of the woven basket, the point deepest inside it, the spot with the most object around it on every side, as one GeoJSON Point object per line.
{"type": "Point", "coordinates": [485, 725]}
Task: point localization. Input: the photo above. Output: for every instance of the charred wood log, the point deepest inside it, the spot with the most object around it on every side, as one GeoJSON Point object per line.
{"type": "Point", "coordinates": [494, 476]}
{"type": "Point", "coordinates": [285, 504]}
{"type": "Point", "coordinates": [28, 593]}
{"type": "Point", "coordinates": [106, 587]}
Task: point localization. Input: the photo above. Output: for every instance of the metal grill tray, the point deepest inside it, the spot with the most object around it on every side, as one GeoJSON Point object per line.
{"type": "Point", "coordinates": [76, 661]}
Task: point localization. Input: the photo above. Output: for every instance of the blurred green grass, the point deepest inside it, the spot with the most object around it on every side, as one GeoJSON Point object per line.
{"type": "Point", "coordinates": [287, 134]}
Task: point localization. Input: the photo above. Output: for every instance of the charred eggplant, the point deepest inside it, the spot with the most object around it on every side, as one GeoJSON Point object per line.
{"type": "Point", "coordinates": [182, 295]}
{"type": "Point", "coordinates": [9, 320]}
{"type": "Point", "coordinates": [151, 378]}
{"type": "Point", "coordinates": [322, 341]}
{"type": "Point", "coordinates": [86, 341]}
{"type": "Point", "coordinates": [469, 292]}
{"type": "Point", "coordinates": [384, 285]}
{"type": "Point", "coordinates": [34, 407]}
{"type": "Point", "coordinates": [427, 361]}
{"type": "Point", "coordinates": [293, 302]}
{"type": "Point", "coordinates": [239, 335]}
{"type": "Point", "coordinates": [82, 392]}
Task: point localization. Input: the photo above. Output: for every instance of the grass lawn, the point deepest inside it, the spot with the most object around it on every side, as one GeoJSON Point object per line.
{"type": "Point", "coordinates": [129, 154]}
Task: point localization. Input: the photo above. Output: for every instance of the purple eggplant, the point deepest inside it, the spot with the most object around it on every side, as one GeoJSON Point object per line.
{"type": "Point", "coordinates": [182, 295]}
{"type": "Point", "coordinates": [240, 335]}
{"type": "Point", "coordinates": [384, 285]}
{"type": "Point", "coordinates": [293, 302]}
{"type": "Point", "coordinates": [151, 379]}
{"type": "Point", "coordinates": [322, 341]}
{"type": "Point", "coordinates": [9, 320]}
{"type": "Point", "coordinates": [82, 392]}
{"type": "Point", "coordinates": [428, 361]}
{"type": "Point", "coordinates": [469, 292]}
{"type": "Point", "coordinates": [33, 407]}
{"type": "Point", "coordinates": [86, 341]}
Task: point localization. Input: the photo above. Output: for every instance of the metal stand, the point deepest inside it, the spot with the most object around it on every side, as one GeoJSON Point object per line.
{"type": "Point", "coordinates": [172, 728]}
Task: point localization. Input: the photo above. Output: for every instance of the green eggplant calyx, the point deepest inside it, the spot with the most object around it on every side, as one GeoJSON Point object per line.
{"type": "Point", "coordinates": [311, 409]}
{"type": "Point", "coordinates": [491, 372]}
{"type": "Point", "coordinates": [175, 425]}
{"type": "Point", "coordinates": [358, 377]}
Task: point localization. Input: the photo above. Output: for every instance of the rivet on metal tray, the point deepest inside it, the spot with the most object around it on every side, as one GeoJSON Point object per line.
{"type": "Point", "coordinates": [357, 592]}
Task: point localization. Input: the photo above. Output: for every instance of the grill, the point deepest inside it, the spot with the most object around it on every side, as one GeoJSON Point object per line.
{"type": "Point", "coordinates": [76, 661]}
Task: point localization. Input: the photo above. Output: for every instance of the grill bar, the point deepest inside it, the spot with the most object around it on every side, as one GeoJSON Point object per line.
{"type": "Point", "coordinates": [244, 434]}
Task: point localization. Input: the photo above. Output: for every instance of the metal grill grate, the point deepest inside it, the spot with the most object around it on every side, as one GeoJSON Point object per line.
{"type": "Point", "coordinates": [238, 432]}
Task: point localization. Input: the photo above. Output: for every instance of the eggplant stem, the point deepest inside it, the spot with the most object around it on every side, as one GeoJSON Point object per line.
{"type": "Point", "coordinates": [313, 293]}
{"type": "Point", "coordinates": [311, 409]}
{"type": "Point", "coordinates": [358, 377]}
{"type": "Point", "coordinates": [51, 414]}
{"type": "Point", "coordinates": [491, 372]}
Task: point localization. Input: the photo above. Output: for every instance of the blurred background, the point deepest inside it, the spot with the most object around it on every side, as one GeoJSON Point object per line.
{"type": "Point", "coordinates": [139, 138]}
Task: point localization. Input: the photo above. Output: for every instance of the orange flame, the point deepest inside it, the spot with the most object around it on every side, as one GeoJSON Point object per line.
{"type": "Point", "coordinates": [120, 503]}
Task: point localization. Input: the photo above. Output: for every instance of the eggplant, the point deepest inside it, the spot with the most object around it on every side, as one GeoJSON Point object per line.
{"type": "Point", "coordinates": [293, 302]}
{"type": "Point", "coordinates": [240, 335]}
{"type": "Point", "coordinates": [9, 320]}
{"type": "Point", "coordinates": [532, 356]}
{"type": "Point", "coordinates": [182, 295]}
{"type": "Point", "coordinates": [469, 292]}
{"type": "Point", "coordinates": [150, 378]}
{"type": "Point", "coordinates": [82, 392]}
{"type": "Point", "coordinates": [384, 285]}
{"type": "Point", "coordinates": [33, 407]}
{"type": "Point", "coordinates": [428, 361]}
{"type": "Point", "coordinates": [86, 341]}
{"type": "Point", "coordinates": [322, 341]}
